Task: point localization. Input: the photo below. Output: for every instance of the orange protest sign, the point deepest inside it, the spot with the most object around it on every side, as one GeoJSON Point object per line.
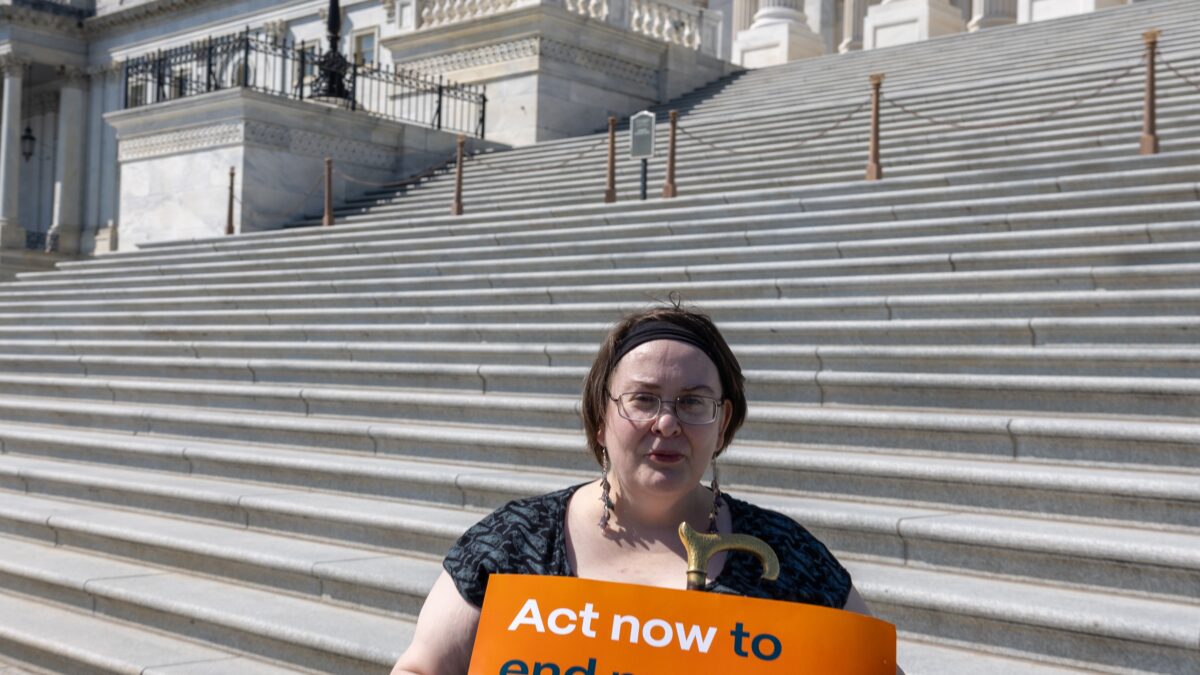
{"type": "Point", "coordinates": [534, 625]}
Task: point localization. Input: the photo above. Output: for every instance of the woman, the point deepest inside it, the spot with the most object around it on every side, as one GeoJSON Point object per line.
{"type": "Point", "coordinates": [663, 399]}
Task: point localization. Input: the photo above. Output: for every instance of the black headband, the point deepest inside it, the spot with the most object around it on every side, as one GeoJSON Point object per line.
{"type": "Point", "coordinates": [650, 331]}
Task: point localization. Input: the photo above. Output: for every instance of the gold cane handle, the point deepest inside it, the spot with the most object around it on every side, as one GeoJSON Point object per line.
{"type": "Point", "coordinates": [702, 547]}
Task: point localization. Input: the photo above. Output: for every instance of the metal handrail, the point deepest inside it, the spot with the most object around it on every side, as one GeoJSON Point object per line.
{"type": "Point", "coordinates": [281, 68]}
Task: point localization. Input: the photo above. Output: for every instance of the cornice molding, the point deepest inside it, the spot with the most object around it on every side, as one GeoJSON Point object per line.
{"type": "Point", "coordinates": [11, 64]}
{"type": "Point", "coordinates": [538, 46]}
{"type": "Point", "coordinates": [26, 16]}
{"type": "Point", "coordinates": [136, 13]}
{"type": "Point", "coordinates": [72, 76]}
{"type": "Point", "coordinates": [265, 134]}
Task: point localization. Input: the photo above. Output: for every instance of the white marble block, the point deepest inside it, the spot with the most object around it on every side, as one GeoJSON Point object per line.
{"type": "Point", "coordinates": [559, 69]}
{"type": "Point", "coordinates": [897, 22]}
{"type": "Point", "coordinates": [175, 159]}
{"type": "Point", "coordinates": [1041, 10]}
{"type": "Point", "coordinates": [780, 34]}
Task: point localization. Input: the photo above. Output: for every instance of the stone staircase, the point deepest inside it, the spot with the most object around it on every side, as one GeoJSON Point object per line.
{"type": "Point", "coordinates": [977, 379]}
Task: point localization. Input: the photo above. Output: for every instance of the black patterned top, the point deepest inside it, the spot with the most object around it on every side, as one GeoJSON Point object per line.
{"type": "Point", "coordinates": [528, 536]}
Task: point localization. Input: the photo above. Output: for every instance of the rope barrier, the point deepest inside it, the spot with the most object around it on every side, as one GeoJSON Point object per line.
{"type": "Point", "coordinates": [525, 170]}
{"type": "Point", "coordinates": [790, 146]}
{"type": "Point", "coordinates": [288, 215]}
{"type": "Point", "coordinates": [361, 181]}
{"type": "Point", "coordinates": [402, 183]}
{"type": "Point", "coordinates": [1075, 103]}
{"type": "Point", "coordinates": [1178, 73]}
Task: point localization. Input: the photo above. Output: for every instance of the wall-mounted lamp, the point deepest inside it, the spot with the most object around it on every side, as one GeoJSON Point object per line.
{"type": "Point", "coordinates": [27, 141]}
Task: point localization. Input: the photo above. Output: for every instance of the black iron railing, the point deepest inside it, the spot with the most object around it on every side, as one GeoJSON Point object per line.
{"type": "Point", "coordinates": [285, 69]}
{"type": "Point", "coordinates": [60, 7]}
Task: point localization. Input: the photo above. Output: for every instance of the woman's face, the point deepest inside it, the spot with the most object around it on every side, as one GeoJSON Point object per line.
{"type": "Point", "coordinates": [663, 456]}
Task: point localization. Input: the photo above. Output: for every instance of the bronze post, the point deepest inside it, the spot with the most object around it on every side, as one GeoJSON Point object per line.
{"type": "Point", "coordinates": [610, 191]}
{"type": "Point", "coordinates": [874, 168]}
{"type": "Point", "coordinates": [328, 192]}
{"type": "Point", "coordinates": [229, 211]}
{"type": "Point", "coordinates": [457, 208]}
{"type": "Point", "coordinates": [1149, 145]}
{"type": "Point", "coordinates": [669, 190]}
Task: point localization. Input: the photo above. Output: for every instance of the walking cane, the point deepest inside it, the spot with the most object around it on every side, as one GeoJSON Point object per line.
{"type": "Point", "coordinates": [702, 547]}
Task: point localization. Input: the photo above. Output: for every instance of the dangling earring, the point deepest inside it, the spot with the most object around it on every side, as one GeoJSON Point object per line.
{"type": "Point", "coordinates": [605, 488]}
{"type": "Point", "coordinates": [716, 490]}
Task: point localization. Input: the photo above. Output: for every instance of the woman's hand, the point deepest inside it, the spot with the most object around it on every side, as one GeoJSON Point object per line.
{"type": "Point", "coordinates": [445, 634]}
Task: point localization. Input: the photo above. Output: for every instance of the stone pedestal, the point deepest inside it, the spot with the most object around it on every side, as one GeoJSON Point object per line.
{"type": "Point", "coordinates": [553, 72]}
{"type": "Point", "coordinates": [854, 13]}
{"type": "Point", "coordinates": [990, 13]}
{"type": "Point", "coordinates": [12, 235]}
{"type": "Point", "coordinates": [897, 22]}
{"type": "Point", "coordinates": [1040, 10]}
{"type": "Point", "coordinates": [780, 34]}
{"type": "Point", "coordinates": [66, 227]}
{"type": "Point", "coordinates": [175, 159]}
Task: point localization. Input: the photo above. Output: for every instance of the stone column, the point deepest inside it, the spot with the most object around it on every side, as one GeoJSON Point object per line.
{"type": "Point", "coordinates": [779, 34]}
{"type": "Point", "coordinates": [989, 13]}
{"type": "Point", "coordinates": [743, 14]}
{"type": "Point", "coordinates": [67, 220]}
{"type": "Point", "coordinates": [12, 235]}
{"type": "Point", "coordinates": [852, 25]}
{"type": "Point", "coordinates": [897, 22]}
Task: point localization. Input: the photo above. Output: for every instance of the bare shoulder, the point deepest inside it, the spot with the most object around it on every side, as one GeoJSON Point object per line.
{"type": "Point", "coordinates": [445, 634]}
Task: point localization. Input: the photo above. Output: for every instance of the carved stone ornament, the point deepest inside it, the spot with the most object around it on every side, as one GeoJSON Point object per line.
{"type": "Point", "coordinates": [11, 64]}
{"type": "Point", "coordinates": [105, 69]}
{"type": "Point", "coordinates": [72, 76]}
{"type": "Point", "coordinates": [537, 46]}
{"type": "Point", "coordinates": [389, 6]}
{"type": "Point", "coordinates": [27, 16]}
{"type": "Point", "coordinates": [261, 134]}
{"type": "Point", "coordinates": [275, 30]}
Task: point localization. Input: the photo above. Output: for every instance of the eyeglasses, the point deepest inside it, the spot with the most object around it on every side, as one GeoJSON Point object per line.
{"type": "Point", "coordinates": [642, 407]}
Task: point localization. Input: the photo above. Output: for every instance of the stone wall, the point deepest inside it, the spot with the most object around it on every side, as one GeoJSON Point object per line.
{"type": "Point", "coordinates": [175, 160]}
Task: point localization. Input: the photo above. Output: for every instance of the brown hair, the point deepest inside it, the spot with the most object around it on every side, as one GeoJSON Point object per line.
{"type": "Point", "coordinates": [595, 387]}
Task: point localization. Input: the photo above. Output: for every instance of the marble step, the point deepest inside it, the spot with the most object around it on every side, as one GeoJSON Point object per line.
{"type": "Point", "coordinates": [339, 387]}
{"type": "Point", "coordinates": [705, 148]}
{"type": "Point", "coordinates": [685, 209]}
{"type": "Point", "coordinates": [587, 192]}
{"type": "Point", "coordinates": [848, 227]}
{"type": "Point", "coordinates": [709, 156]}
{"type": "Point", "coordinates": [32, 630]}
{"type": "Point", "coordinates": [431, 198]}
{"type": "Point", "coordinates": [776, 228]}
{"type": "Point", "coordinates": [850, 250]}
{"type": "Point", "coordinates": [1072, 627]}
{"type": "Point", "coordinates": [1125, 559]}
{"type": "Point", "coordinates": [327, 571]}
{"type": "Point", "coordinates": [994, 257]}
{"type": "Point", "coordinates": [1137, 331]}
{"type": "Point", "coordinates": [267, 624]}
{"type": "Point", "coordinates": [1154, 448]}
{"type": "Point", "coordinates": [423, 238]}
{"type": "Point", "coordinates": [918, 656]}
{"type": "Point", "coordinates": [217, 609]}
{"type": "Point", "coordinates": [748, 280]}
{"type": "Point", "coordinates": [348, 363]}
{"type": "Point", "coordinates": [1027, 305]}
{"type": "Point", "coordinates": [649, 276]}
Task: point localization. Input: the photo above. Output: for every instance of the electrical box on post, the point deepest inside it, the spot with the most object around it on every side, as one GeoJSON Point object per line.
{"type": "Point", "coordinates": [641, 135]}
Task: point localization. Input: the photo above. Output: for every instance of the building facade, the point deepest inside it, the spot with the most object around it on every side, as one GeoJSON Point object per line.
{"type": "Point", "coordinates": [79, 135]}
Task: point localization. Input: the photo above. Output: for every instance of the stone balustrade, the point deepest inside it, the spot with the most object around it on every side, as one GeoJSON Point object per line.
{"type": "Point", "coordinates": [670, 21]}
